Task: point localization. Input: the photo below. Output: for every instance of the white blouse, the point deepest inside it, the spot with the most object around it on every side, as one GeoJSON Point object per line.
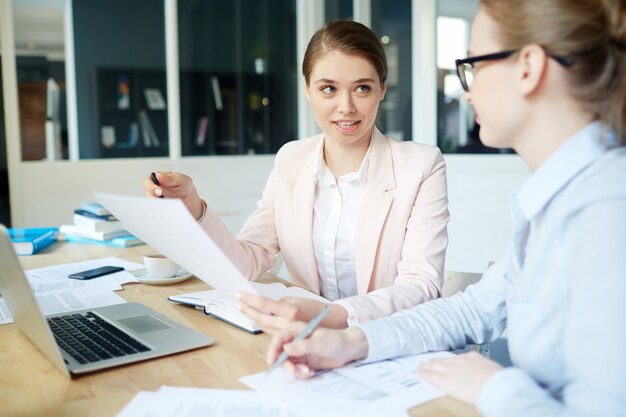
{"type": "Point", "coordinates": [335, 211]}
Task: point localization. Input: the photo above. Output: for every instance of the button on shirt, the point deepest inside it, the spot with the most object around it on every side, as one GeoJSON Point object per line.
{"type": "Point", "coordinates": [335, 211]}
{"type": "Point", "coordinates": [560, 290]}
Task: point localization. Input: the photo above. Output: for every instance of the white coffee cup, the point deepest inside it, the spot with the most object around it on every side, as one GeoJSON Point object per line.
{"type": "Point", "coordinates": [159, 266]}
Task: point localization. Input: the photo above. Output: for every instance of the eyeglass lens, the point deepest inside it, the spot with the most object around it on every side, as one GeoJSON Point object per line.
{"type": "Point", "coordinates": [466, 72]}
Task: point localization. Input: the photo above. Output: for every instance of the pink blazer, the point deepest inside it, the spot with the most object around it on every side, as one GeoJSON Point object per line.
{"type": "Point", "coordinates": [401, 229]}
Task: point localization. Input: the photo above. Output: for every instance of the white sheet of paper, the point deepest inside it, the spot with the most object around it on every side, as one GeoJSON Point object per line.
{"type": "Point", "coordinates": [56, 293]}
{"type": "Point", "coordinates": [55, 276]}
{"type": "Point", "coordinates": [5, 315]}
{"type": "Point", "coordinates": [68, 299]}
{"type": "Point", "coordinates": [167, 226]}
{"type": "Point", "coordinates": [381, 388]}
{"type": "Point", "coordinates": [195, 402]}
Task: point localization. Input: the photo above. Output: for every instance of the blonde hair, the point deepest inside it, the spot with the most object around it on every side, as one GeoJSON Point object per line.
{"type": "Point", "coordinates": [590, 32]}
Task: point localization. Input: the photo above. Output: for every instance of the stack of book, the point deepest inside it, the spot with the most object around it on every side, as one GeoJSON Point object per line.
{"type": "Point", "coordinates": [94, 224]}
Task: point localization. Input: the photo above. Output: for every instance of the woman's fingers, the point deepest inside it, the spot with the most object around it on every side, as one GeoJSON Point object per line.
{"type": "Point", "coordinates": [267, 322]}
{"type": "Point", "coordinates": [281, 338]}
{"type": "Point", "coordinates": [270, 315]}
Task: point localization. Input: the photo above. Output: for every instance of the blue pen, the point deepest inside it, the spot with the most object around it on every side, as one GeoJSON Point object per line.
{"type": "Point", "coordinates": [302, 335]}
{"type": "Point", "coordinates": [155, 181]}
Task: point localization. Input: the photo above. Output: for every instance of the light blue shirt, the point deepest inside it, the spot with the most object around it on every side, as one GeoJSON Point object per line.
{"type": "Point", "coordinates": [559, 289]}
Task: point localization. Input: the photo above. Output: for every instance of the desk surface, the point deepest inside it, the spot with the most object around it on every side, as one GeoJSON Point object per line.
{"type": "Point", "coordinates": [32, 386]}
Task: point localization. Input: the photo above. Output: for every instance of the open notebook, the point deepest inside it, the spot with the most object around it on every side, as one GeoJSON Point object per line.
{"type": "Point", "coordinates": [220, 306]}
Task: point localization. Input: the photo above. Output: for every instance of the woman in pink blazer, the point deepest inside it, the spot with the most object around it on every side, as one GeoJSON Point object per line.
{"type": "Point", "coordinates": [360, 218]}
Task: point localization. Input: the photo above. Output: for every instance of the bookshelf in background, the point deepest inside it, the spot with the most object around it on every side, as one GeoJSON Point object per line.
{"type": "Point", "coordinates": [225, 113]}
{"type": "Point", "coordinates": [131, 112]}
{"type": "Point", "coordinates": [208, 113]}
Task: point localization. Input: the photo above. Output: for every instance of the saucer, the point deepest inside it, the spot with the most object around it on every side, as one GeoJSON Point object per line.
{"type": "Point", "coordinates": [143, 277]}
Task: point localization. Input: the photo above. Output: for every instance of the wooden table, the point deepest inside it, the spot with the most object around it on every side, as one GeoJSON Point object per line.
{"type": "Point", "coordinates": [31, 386]}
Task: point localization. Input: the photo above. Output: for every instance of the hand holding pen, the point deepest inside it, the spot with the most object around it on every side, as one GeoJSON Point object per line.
{"type": "Point", "coordinates": [174, 185]}
{"type": "Point", "coordinates": [308, 329]}
{"type": "Point", "coordinates": [324, 349]}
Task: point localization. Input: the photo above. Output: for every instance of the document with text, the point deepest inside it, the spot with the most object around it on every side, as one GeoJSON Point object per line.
{"type": "Point", "coordinates": [375, 389]}
{"type": "Point", "coordinates": [56, 293]}
{"type": "Point", "coordinates": [196, 402]}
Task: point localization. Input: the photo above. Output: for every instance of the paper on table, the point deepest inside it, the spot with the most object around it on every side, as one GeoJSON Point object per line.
{"type": "Point", "coordinates": [5, 315]}
{"type": "Point", "coordinates": [56, 293]}
{"type": "Point", "coordinates": [167, 226]}
{"type": "Point", "coordinates": [188, 402]}
{"type": "Point", "coordinates": [55, 276]}
{"type": "Point", "coordinates": [373, 389]}
{"type": "Point", "coordinates": [63, 300]}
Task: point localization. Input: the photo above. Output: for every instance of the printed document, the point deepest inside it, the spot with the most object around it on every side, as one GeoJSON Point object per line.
{"type": "Point", "coordinates": [195, 402]}
{"type": "Point", "coordinates": [375, 389]}
{"type": "Point", "coordinates": [56, 293]}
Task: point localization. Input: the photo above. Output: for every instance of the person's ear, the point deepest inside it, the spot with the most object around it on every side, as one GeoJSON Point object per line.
{"type": "Point", "coordinates": [532, 65]}
{"type": "Point", "coordinates": [307, 92]}
{"type": "Point", "coordinates": [383, 91]}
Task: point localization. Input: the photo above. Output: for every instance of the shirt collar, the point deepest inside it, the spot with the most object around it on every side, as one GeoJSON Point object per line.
{"type": "Point", "coordinates": [578, 152]}
{"type": "Point", "coordinates": [326, 178]}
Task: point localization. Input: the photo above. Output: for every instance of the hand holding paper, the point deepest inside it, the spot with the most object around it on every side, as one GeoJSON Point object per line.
{"type": "Point", "coordinates": [167, 226]}
{"type": "Point", "coordinates": [174, 185]}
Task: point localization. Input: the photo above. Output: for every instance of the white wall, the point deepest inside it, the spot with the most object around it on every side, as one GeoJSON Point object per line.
{"type": "Point", "coordinates": [478, 190]}
{"type": "Point", "coordinates": [51, 191]}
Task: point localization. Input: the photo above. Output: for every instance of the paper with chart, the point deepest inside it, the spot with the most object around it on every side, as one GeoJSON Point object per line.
{"type": "Point", "coordinates": [167, 226]}
{"type": "Point", "coordinates": [374, 389]}
{"type": "Point", "coordinates": [56, 293]}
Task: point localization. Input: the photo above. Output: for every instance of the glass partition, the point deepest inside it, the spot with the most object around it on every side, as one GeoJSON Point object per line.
{"type": "Point", "coordinates": [338, 10]}
{"type": "Point", "coordinates": [393, 25]}
{"type": "Point", "coordinates": [120, 78]}
{"type": "Point", "coordinates": [40, 70]}
{"type": "Point", "coordinates": [457, 130]}
{"type": "Point", "coordinates": [238, 70]}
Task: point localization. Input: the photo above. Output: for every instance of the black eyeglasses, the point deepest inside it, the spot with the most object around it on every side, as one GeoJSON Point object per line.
{"type": "Point", "coordinates": [465, 67]}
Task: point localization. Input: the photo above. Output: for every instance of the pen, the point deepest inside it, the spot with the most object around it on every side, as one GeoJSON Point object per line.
{"type": "Point", "coordinates": [155, 181]}
{"type": "Point", "coordinates": [302, 335]}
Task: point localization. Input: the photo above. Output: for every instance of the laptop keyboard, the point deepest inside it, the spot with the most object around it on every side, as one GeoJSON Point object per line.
{"type": "Point", "coordinates": [88, 338]}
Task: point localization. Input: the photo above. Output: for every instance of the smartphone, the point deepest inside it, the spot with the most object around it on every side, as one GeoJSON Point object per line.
{"type": "Point", "coordinates": [97, 272]}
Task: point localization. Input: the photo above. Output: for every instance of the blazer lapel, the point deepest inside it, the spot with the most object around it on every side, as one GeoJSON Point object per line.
{"type": "Point", "coordinates": [303, 200]}
{"type": "Point", "coordinates": [375, 207]}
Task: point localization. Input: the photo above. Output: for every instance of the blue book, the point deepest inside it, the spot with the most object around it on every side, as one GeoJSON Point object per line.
{"type": "Point", "coordinates": [95, 208]}
{"type": "Point", "coordinates": [28, 241]}
{"type": "Point", "coordinates": [119, 242]}
{"type": "Point", "coordinates": [86, 213]}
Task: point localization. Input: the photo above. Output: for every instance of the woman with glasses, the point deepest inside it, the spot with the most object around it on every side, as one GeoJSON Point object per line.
{"type": "Point", "coordinates": [548, 79]}
{"type": "Point", "coordinates": [360, 218]}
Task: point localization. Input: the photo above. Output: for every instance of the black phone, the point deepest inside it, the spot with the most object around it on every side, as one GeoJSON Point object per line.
{"type": "Point", "coordinates": [96, 272]}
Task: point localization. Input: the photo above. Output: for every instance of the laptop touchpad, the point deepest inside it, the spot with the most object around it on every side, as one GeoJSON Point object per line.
{"type": "Point", "coordinates": [144, 324]}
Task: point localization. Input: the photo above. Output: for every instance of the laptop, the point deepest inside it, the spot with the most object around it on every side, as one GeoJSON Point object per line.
{"type": "Point", "coordinates": [88, 340]}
